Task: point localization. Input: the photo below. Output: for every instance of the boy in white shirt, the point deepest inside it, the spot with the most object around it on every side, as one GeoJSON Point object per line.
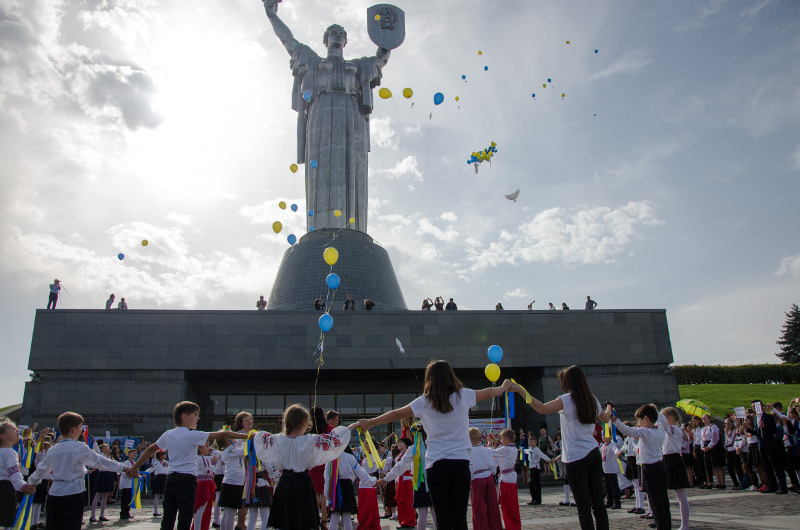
{"type": "Point", "coordinates": [535, 457]}
{"type": "Point", "coordinates": [506, 456]}
{"type": "Point", "coordinates": [610, 469]}
{"type": "Point", "coordinates": [181, 444]}
{"type": "Point", "coordinates": [485, 509]}
{"type": "Point", "coordinates": [125, 485]}
{"type": "Point", "coordinates": [68, 460]}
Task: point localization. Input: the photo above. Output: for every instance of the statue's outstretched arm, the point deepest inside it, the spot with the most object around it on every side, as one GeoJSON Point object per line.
{"type": "Point", "coordinates": [383, 56]}
{"type": "Point", "coordinates": [280, 29]}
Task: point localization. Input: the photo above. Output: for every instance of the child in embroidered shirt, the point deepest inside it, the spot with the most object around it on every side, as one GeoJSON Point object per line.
{"type": "Point", "coordinates": [506, 457]}
{"type": "Point", "coordinates": [341, 499]}
{"type": "Point", "coordinates": [125, 487]}
{"type": "Point", "coordinates": [11, 479]}
{"type": "Point", "coordinates": [483, 492]}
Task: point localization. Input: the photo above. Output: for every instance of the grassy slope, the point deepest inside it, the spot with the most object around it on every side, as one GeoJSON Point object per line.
{"type": "Point", "coordinates": [722, 398]}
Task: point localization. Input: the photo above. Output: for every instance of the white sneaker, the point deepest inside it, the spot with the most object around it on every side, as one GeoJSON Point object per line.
{"type": "Point", "coordinates": [752, 488]}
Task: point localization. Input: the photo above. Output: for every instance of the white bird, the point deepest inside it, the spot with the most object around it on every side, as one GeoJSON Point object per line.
{"type": "Point", "coordinates": [399, 345]}
{"type": "Point", "coordinates": [513, 196]}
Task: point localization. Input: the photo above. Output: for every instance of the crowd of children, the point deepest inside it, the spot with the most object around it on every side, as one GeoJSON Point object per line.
{"type": "Point", "coordinates": [437, 468]}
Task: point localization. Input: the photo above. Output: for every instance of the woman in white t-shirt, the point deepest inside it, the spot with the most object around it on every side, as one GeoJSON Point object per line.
{"type": "Point", "coordinates": [579, 411]}
{"type": "Point", "coordinates": [444, 411]}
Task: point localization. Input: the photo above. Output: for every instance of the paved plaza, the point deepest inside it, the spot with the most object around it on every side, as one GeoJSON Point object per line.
{"type": "Point", "coordinates": [709, 509]}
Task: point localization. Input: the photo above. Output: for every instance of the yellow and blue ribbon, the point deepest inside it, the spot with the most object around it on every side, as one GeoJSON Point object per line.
{"type": "Point", "coordinates": [22, 521]}
{"type": "Point", "coordinates": [419, 460]}
{"type": "Point", "coordinates": [252, 465]}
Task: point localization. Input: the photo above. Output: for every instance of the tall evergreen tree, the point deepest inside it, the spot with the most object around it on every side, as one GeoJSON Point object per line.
{"type": "Point", "coordinates": [790, 338]}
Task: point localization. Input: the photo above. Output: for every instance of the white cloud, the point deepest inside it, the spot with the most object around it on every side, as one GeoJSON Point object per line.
{"type": "Point", "coordinates": [382, 133]}
{"type": "Point", "coordinates": [404, 169]}
{"type": "Point", "coordinates": [517, 293]}
{"type": "Point", "coordinates": [789, 265]}
{"type": "Point", "coordinates": [449, 216]}
{"type": "Point", "coordinates": [628, 62]}
{"type": "Point", "coordinates": [181, 219]}
{"type": "Point", "coordinates": [426, 227]}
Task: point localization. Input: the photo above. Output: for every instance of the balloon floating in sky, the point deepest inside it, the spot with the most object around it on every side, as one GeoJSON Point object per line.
{"type": "Point", "coordinates": [377, 17]}
{"type": "Point", "coordinates": [277, 227]}
{"type": "Point", "coordinates": [293, 168]}
{"type": "Point", "coordinates": [480, 52]}
{"type": "Point", "coordinates": [567, 42]}
{"type": "Point", "coordinates": [495, 353]}
{"type": "Point", "coordinates": [486, 68]}
{"type": "Point", "coordinates": [407, 93]}
{"type": "Point", "coordinates": [333, 280]}
{"type": "Point", "coordinates": [438, 98]}
{"type": "Point", "coordinates": [533, 95]}
{"type": "Point", "coordinates": [385, 93]}
{"type": "Point", "coordinates": [312, 228]}
{"type": "Point", "coordinates": [144, 242]}
{"type": "Point", "coordinates": [282, 205]}
{"type": "Point", "coordinates": [307, 96]}
{"type": "Point", "coordinates": [331, 256]}
{"type": "Point", "coordinates": [483, 156]}
{"type": "Point", "coordinates": [292, 239]}
{"type": "Point", "coordinates": [337, 213]}
{"type": "Point", "coordinates": [549, 80]}
{"type": "Point", "coordinates": [595, 115]}
{"type": "Point", "coordinates": [311, 213]}
{"type": "Point", "coordinates": [544, 85]}
{"type": "Point", "coordinates": [294, 207]}
{"type": "Point", "coordinates": [464, 77]}
{"type": "Point", "coordinates": [313, 164]}
{"type": "Point", "coordinates": [563, 95]}
{"type": "Point", "coordinates": [492, 372]}
{"type": "Point", "coordinates": [352, 220]}
{"type": "Point", "coordinates": [120, 256]}
{"type": "Point", "coordinates": [326, 323]}
{"type": "Point", "coordinates": [595, 51]}
{"type": "Point", "coordinates": [457, 98]}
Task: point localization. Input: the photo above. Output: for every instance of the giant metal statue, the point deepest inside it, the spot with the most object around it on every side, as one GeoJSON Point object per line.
{"type": "Point", "coordinates": [333, 100]}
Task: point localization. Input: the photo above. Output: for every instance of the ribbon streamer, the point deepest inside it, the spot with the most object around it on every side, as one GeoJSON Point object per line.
{"type": "Point", "coordinates": [136, 493]}
{"type": "Point", "coordinates": [373, 458]}
{"type": "Point", "coordinates": [418, 475]}
{"type": "Point", "coordinates": [22, 521]}
{"type": "Point", "coordinates": [554, 469]}
{"type": "Point", "coordinates": [252, 465]}
{"type": "Point", "coordinates": [528, 397]}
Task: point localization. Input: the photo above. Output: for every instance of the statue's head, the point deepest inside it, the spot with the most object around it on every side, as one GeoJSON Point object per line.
{"type": "Point", "coordinates": [335, 37]}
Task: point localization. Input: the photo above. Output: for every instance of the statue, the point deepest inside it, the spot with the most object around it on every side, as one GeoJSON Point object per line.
{"type": "Point", "coordinates": [333, 100]}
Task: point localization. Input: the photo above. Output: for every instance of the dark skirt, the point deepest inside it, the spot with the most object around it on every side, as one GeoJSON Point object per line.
{"type": "Point", "coordinates": [676, 472]}
{"type": "Point", "coordinates": [262, 498]}
{"type": "Point", "coordinates": [422, 499]}
{"type": "Point", "coordinates": [753, 456]}
{"type": "Point", "coordinates": [159, 483]}
{"type": "Point", "coordinates": [41, 492]}
{"type": "Point", "coordinates": [687, 459]}
{"type": "Point", "coordinates": [218, 481]}
{"type": "Point", "coordinates": [8, 503]}
{"type": "Point", "coordinates": [391, 493]}
{"type": "Point", "coordinates": [715, 457]}
{"type": "Point", "coordinates": [632, 469]}
{"type": "Point", "coordinates": [105, 482]}
{"type": "Point", "coordinates": [294, 506]}
{"type": "Point", "coordinates": [231, 496]}
{"type": "Point", "coordinates": [348, 503]}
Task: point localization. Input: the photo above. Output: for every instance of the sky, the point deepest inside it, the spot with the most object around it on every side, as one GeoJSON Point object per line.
{"type": "Point", "coordinates": [666, 177]}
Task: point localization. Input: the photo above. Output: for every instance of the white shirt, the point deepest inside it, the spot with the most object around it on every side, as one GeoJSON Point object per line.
{"type": "Point", "coordinates": [160, 467]}
{"type": "Point", "coordinates": [577, 439]}
{"type": "Point", "coordinates": [369, 469]}
{"type": "Point", "coordinates": [651, 440]}
{"type": "Point", "coordinates": [67, 460]}
{"type": "Point", "coordinates": [673, 439]}
{"type": "Point", "coordinates": [348, 470]}
{"type": "Point", "coordinates": [298, 453]}
{"type": "Point", "coordinates": [9, 468]}
{"type": "Point", "coordinates": [233, 456]}
{"type": "Point", "coordinates": [182, 446]}
{"type": "Point", "coordinates": [506, 457]}
{"type": "Point", "coordinates": [205, 469]}
{"type": "Point", "coordinates": [535, 456]}
{"type": "Point", "coordinates": [698, 436]}
{"type": "Point", "coordinates": [448, 434]}
{"type": "Point", "coordinates": [401, 466]}
{"type": "Point", "coordinates": [609, 452]}
{"type": "Point", "coordinates": [482, 462]}
{"type": "Point", "coordinates": [125, 482]}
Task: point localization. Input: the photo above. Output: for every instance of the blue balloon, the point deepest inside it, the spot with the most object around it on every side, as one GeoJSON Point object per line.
{"type": "Point", "coordinates": [325, 322]}
{"type": "Point", "coordinates": [438, 98]}
{"type": "Point", "coordinates": [294, 207]}
{"type": "Point", "coordinates": [311, 213]}
{"type": "Point", "coordinates": [549, 80]}
{"type": "Point", "coordinates": [120, 256]}
{"type": "Point", "coordinates": [333, 280]}
{"type": "Point", "coordinates": [463, 77]}
{"type": "Point", "coordinates": [314, 164]}
{"type": "Point", "coordinates": [595, 51]}
{"type": "Point", "coordinates": [311, 229]}
{"type": "Point", "coordinates": [533, 95]}
{"type": "Point", "coordinates": [307, 96]}
{"type": "Point", "coordinates": [486, 68]}
{"type": "Point", "coordinates": [292, 239]}
{"type": "Point", "coordinates": [495, 353]}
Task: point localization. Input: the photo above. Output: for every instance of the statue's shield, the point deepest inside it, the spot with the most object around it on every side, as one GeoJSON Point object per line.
{"type": "Point", "coordinates": [386, 25]}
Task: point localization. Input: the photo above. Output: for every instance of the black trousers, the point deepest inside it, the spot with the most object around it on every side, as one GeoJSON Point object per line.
{"type": "Point", "coordinates": [65, 513]}
{"type": "Point", "coordinates": [773, 467]}
{"type": "Point", "coordinates": [586, 479]}
{"type": "Point", "coordinates": [179, 501]}
{"type": "Point", "coordinates": [449, 485]}
{"type": "Point", "coordinates": [612, 489]}
{"type": "Point", "coordinates": [126, 495]}
{"type": "Point", "coordinates": [52, 300]}
{"type": "Point", "coordinates": [734, 468]}
{"type": "Point", "coordinates": [655, 480]}
{"type": "Point", "coordinates": [535, 484]}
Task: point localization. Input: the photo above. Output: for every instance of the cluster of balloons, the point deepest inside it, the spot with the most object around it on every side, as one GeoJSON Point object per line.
{"type": "Point", "coordinates": [492, 371]}
{"type": "Point", "coordinates": [331, 256]}
{"type": "Point", "coordinates": [385, 93]}
{"type": "Point", "coordinates": [483, 156]}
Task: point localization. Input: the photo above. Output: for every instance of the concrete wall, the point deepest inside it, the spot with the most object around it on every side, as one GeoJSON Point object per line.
{"type": "Point", "coordinates": [125, 370]}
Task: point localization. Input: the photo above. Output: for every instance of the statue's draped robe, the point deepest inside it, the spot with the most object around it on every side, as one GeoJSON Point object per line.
{"type": "Point", "coordinates": [333, 129]}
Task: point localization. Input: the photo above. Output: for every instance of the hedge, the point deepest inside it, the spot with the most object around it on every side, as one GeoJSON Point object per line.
{"type": "Point", "coordinates": [694, 374]}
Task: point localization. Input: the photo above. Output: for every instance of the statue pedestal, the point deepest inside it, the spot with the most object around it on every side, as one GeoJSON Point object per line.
{"type": "Point", "coordinates": [363, 266]}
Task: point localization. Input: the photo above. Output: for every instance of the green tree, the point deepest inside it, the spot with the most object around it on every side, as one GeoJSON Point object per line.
{"type": "Point", "coordinates": [790, 338]}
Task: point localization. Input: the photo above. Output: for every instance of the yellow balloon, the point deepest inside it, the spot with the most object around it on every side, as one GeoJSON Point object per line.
{"type": "Point", "coordinates": [144, 242]}
{"type": "Point", "coordinates": [563, 95]}
{"type": "Point", "coordinates": [277, 226]}
{"type": "Point", "coordinates": [544, 85]}
{"type": "Point", "coordinates": [352, 220]}
{"type": "Point", "coordinates": [331, 255]}
{"type": "Point", "coordinates": [492, 372]}
{"type": "Point", "coordinates": [457, 98]}
{"type": "Point", "coordinates": [293, 168]}
{"type": "Point", "coordinates": [337, 213]}
{"type": "Point", "coordinates": [567, 42]}
{"type": "Point", "coordinates": [407, 93]}
{"type": "Point", "coordinates": [282, 205]}
{"type": "Point", "coordinates": [480, 52]}
{"type": "Point", "coordinates": [385, 93]}
{"type": "Point", "coordinates": [377, 17]}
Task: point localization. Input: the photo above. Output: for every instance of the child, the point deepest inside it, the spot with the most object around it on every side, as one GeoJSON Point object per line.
{"type": "Point", "coordinates": [11, 479]}
{"type": "Point", "coordinates": [651, 440]}
{"type": "Point", "coordinates": [181, 443]}
{"type": "Point", "coordinates": [390, 494]}
{"type": "Point", "coordinates": [610, 469]}
{"type": "Point", "coordinates": [103, 488]}
{"type": "Point", "coordinates": [160, 473]}
{"type": "Point", "coordinates": [261, 502]}
{"type": "Point", "coordinates": [506, 457]}
{"type": "Point", "coordinates": [230, 497]}
{"type": "Point", "coordinates": [629, 451]}
{"type": "Point", "coordinates": [125, 485]}
{"type": "Point", "coordinates": [485, 510]}
{"type": "Point", "coordinates": [535, 456]}
{"type": "Point", "coordinates": [342, 501]}
{"type": "Point", "coordinates": [368, 518]}
{"type": "Point", "coordinates": [401, 472]}
{"type": "Point", "coordinates": [676, 469]}
{"type": "Point", "coordinates": [219, 474]}
{"type": "Point", "coordinates": [67, 460]}
{"type": "Point", "coordinates": [204, 496]}
{"type": "Point", "coordinates": [294, 505]}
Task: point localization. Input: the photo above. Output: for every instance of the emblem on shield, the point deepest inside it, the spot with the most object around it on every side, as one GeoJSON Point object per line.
{"type": "Point", "coordinates": [386, 25]}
